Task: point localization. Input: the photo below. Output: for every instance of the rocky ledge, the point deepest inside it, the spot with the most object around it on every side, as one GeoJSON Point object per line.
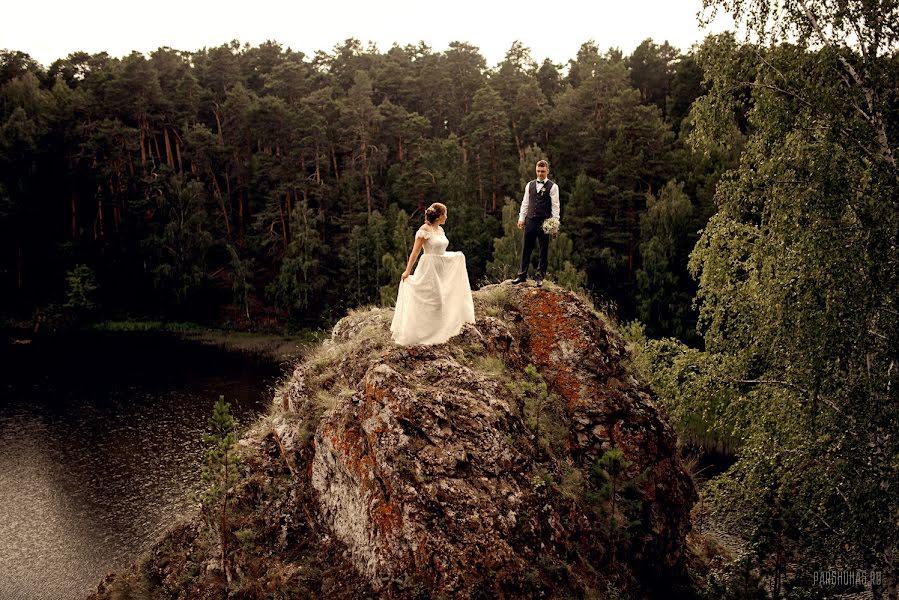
{"type": "Point", "coordinates": [521, 459]}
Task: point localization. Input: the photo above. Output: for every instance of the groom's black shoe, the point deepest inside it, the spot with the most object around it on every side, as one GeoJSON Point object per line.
{"type": "Point", "coordinates": [539, 280]}
{"type": "Point", "coordinates": [519, 279]}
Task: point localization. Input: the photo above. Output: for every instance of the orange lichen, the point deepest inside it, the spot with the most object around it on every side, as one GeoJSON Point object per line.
{"type": "Point", "coordinates": [386, 517]}
{"type": "Point", "coordinates": [549, 325]}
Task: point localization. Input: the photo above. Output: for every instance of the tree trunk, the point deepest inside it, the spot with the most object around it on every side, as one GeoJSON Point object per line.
{"type": "Point", "coordinates": [630, 242]}
{"type": "Point", "coordinates": [218, 194]}
{"type": "Point", "coordinates": [228, 196]}
{"type": "Point", "coordinates": [493, 206]}
{"type": "Point", "coordinates": [218, 122]}
{"type": "Point", "coordinates": [318, 172]}
{"type": "Point", "coordinates": [240, 220]}
{"type": "Point", "coordinates": [481, 197]}
{"type": "Point", "coordinates": [493, 169]}
{"type": "Point", "coordinates": [158, 153]}
{"type": "Point", "coordinates": [241, 212]}
{"type": "Point", "coordinates": [178, 151]}
{"type": "Point", "coordinates": [283, 222]}
{"type": "Point", "coordinates": [336, 172]}
{"type": "Point", "coordinates": [170, 160]}
{"type": "Point", "coordinates": [143, 152]}
{"type": "Point", "coordinates": [890, 575]}
{"type": "Point", "coordinates": [100, 216]}
{"type": "Point", "coordinates": [365, 178]}
{"type": "Point", "coordinates": [290, 206]}
{"type": "Point", "coordinates": [74, 218]}
{"type": "Point", "coordinates": [223, 526]}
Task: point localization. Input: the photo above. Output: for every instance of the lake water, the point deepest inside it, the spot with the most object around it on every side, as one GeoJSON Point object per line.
{"type": "Point", "coordinates": [101, 449]}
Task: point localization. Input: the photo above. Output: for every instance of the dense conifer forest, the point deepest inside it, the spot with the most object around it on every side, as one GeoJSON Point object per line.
{"type": "Point", "coordinates": [248, 183]}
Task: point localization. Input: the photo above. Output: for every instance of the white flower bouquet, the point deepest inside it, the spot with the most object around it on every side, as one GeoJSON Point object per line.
{"type": "Point", "coordinates": [551, 226]}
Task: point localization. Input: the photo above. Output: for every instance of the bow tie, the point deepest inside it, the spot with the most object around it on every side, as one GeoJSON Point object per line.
{"type": "Point", "coordinates": [541, 182]}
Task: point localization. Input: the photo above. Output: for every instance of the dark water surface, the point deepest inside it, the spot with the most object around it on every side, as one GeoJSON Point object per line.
{"type": "Point", "coordinates": [100, 449]}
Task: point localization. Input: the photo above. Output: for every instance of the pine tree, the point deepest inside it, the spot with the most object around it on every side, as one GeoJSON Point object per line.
{"type": "Point", "coordinates": [241, 288]}
{"type": "Point", "coordinates": [220, 473]}
{"type": "Point", "coordinates": [664, 288]}
{"type": "Point", "coordinates": [490, 140]}
{"type": "Point", "coordinates": [506, 249]}
{"type": "Point", "coordinates": [615, 497]}
{"type": "Point", "coordinates": [561, 264]}
{"type": "Point", "coordinates": [394, 261]}
{"type": "Point", "coordinates": [82, 289]}
{"type": "Point", "coordinates": [179, 248]}
{"type": "Point", "coordinates": [300, 278]}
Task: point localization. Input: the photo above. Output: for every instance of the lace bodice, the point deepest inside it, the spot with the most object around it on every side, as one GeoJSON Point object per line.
{"type": "Point", "coordinates": [434, 243]}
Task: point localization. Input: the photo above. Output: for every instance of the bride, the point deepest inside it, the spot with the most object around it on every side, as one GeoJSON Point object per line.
{"type": "Point", "coordinates": [434, 304]}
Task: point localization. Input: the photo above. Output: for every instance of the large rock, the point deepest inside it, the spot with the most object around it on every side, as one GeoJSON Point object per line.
{"type": "Point", "coordinates": [427, 470]}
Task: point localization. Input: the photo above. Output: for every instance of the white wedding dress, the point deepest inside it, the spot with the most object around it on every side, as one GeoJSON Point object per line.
{"type": "Point", "coordinates": [433, 304]}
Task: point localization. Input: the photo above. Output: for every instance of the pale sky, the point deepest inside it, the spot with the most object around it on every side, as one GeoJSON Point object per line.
{"type": "Point", "coordinates": [555, 29]}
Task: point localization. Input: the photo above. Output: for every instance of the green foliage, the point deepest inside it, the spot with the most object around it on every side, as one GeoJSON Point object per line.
{"type": "Point", "coordinates": [361, 257]}
{"type": "Point", "coordinates": [652, 70]}
{"type": "Point", "coordinates": [616, 488]}
{"type": "Point", "coordinates": [241, 287]}
{"type": "Point", "coordinates": [664, 288]}
{"type": "Point", "coordinates": [798, 275]}
{"type": "Point", "coordinates": [394, 261]}
{"type": "Point", "coordinates": [487, 126]}
{"type": "Point", "coordinates": [496, 300]}
{"type": "Point", "coordinates": [301, 277]}
{"type": "Point", "coordinates": [220, 473]}
{"type": "Point", "coordinates": [82, 289]}
{"type": "Point", "coordinates": [736, 581]}
{"type": "Point", "coordinates": [253, 175]}
{"type": "Point", "coordinates": [178, 249]}
{"type": "Point", "coordinates": [561, 263]}
{"type": "Point", "coordinates": [544, 413]}
{"type": "Point", "coordinates": [506, 249]}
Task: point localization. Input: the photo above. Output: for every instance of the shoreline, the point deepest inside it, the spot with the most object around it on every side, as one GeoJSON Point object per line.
{"type": "Point", "coordinates": [273, 347]}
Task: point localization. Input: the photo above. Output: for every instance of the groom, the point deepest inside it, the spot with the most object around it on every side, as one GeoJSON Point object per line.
{"type": "Point", "coordinates": [540, 202]}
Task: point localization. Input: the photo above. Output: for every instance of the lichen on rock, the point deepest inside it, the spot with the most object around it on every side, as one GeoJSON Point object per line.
{"type": "Point", "coordinates": [428, 469]}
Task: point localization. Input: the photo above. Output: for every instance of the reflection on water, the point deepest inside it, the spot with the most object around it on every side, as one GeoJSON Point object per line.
{"type": "Point", "coordinates": [100, 450]}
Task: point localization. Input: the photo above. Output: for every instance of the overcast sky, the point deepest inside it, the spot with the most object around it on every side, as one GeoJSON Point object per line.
{"type": "Point", "coordinates": [554, 29]}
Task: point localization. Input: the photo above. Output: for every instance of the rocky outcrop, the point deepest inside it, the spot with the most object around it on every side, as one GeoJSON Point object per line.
{"type": "Point", "coordinates": [427, 468]}
{"type": "Point", "coordinates": [471, 468]}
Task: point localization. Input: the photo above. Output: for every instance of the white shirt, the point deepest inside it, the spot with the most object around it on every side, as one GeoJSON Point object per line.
{"type": "Point", "coordinates": [553, 198]}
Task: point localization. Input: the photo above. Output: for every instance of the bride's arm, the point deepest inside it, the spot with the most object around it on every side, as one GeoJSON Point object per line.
{"type": "Point", "coordinates": [419, 242]}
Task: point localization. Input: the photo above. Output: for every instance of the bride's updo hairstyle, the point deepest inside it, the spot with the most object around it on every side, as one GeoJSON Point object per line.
{"type": "Point", "coordinates": [434, 212]}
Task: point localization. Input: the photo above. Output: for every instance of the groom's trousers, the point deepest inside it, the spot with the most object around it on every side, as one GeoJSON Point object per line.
{"type": "Point", "coordinates": [533, 232]}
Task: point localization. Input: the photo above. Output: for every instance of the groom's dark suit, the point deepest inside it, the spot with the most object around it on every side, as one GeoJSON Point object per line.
{"type": "Point", "coordinates": [537, 206]}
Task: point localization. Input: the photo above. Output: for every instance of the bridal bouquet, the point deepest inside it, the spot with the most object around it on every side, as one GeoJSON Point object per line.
{"type": "Point", "coordinates": [551, 226]}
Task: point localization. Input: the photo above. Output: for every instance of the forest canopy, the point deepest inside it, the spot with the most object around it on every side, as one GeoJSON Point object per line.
{"type": "Point", "coordinates": [258, 181]}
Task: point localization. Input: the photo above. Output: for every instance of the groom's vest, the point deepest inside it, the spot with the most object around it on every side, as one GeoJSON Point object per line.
{"type": "Point", "coordinates": [539, 205]}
